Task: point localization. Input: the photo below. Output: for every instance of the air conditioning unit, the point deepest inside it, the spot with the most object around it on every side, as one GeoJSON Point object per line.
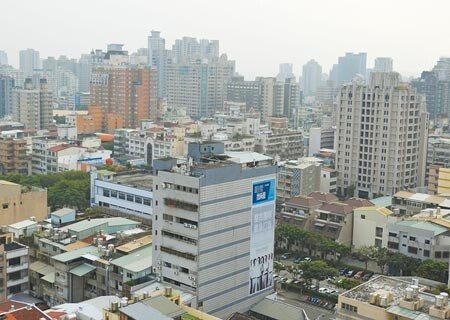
{"type": "Point", "coordinates": [194, 283]}
{"type": "Point", "coordinates": [154, 269]}
{"type": "Point", "coordinates": [186, 225]}
{"type": "Point", "coordinates": [194, 227]}
{"type": "Point", "coordinates": [176, 272]}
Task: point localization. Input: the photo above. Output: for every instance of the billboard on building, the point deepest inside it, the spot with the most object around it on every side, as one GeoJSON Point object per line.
{"type": "Point", "coordinates": [262, 237]}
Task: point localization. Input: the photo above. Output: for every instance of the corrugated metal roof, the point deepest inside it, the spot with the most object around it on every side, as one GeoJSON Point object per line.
{"type": "Point", "coordinates": [82, 269]}
{"type": "Point", "coordinates": [68, 256]}
{"type": "Point", "coordinates": [278, 310]}
{"type": "Point", "coordinates": [49, 277]}
{"type": "Point", "coordinates": [136, 261]}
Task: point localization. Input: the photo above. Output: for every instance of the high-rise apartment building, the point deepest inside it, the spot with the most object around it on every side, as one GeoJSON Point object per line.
{"type": "Point", "coordinates": [199, 86]}
{"type": "Point", "coordinates": [32, 105]}
{"type": "Point", "coordinates": [213, 226]}
{"type": "Point", "coordinates": [29, 61]}
{"type": "Point", "coordinates": [188, 49]}
{"type": "Point", "coordinates": [128, 91]}
{"type": "Point", "coordinates": [285, 72]}
{"type": "Point", "coordinates": [311, 77]}
{"type": "Point", "coordinates": [6, 87]}
{"type": "Point", "coordinates": [3, 57]}
{"type": "Point", "coordinates": [383, 64]}
{"type": "Point", "coordinates": [382, 131]}
{"type": "Point", "coordinates": [349, 66]}
{"type": "Point", "coordinates": [435, 85]}
{"type": "Point", "coordinates": [157, 59]}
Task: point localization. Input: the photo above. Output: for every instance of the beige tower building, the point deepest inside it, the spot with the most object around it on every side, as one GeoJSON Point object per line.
{"type": "Point", "coordinates": [32, 106]}
{"type": "Point", "coordinates": [382, 132]}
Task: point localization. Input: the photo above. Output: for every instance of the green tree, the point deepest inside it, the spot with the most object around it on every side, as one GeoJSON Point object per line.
{"type": "Point", "coordinates": [382, 257]}
{"type": "Point", "coordinates": [347, 283]}
{"type": "Point", "coordinates": [366, 254]}
{"type": "Point", "coordinates": [432, 269]}
{"type": "Point", "coordinates": [317, 270]}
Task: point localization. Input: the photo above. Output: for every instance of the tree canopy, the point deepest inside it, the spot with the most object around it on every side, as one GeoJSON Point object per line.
{"type": "Point", "coordinates": [64, 189]}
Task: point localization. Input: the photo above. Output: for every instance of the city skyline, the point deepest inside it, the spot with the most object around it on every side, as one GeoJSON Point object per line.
{"type": "Point", "coordinates": [357, 27]}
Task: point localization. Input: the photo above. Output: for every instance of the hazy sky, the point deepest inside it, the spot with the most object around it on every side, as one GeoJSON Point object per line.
{"type": "Point", "coordinates": [258, 34]}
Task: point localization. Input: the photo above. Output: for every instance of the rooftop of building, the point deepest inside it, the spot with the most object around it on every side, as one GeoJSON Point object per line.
{"type": "Point", "coordinates": [62, 212]}
{"type": "Point", "coordinates": [92, 223]}
{"type": "Point", "coordinates": [88, 309]}
{"type": "Point", "coordinates": [337, 207]}
{"type": "Point", "coordinates": [323, 196]}
{"type": "Point", "coordinates": [423, 197]}
{"type": "Point", "coordinates": [135, 261]}
{"type": "Point", "coordinates": [15, 310]}
{"type": "Point", "coordinates": [385, 201]}
{"type": "Point", "coordinates": [303, 201]}
{"type": "Point", "coordinates": [164, 305]}
{"type": "Point", "coordinates": [135, 244]}
{"type": "Point", "coordinates": [77, 253]}
{"type": "Point", "coordinates": [424, 225]}
{"type": "Point", "coordinates": [23, 224]}
{"type": "Point", "coordinates": [246, 157]}
{"type": "Point", "coordinates": [278, 310]}
{"type": "Point", "coordinates": [382, 210]}
{"type": "Point", "coordinates": [135, 179]}
{"type": "Point", "coordinates": [14, 246]}
{"type": "Point", "coordinates": [358, 202]}
{"type": "Point", "coordinates": [396, 287]}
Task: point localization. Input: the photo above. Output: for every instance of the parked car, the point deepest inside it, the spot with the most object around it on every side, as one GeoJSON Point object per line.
{"type": "Point", "coordinates": [324, 290]}
{"type": "Point", "coordinates": [285, 256]}
{"type": "Point", "coordinates": [306, 259]}
{"type": "Point", "coordinates": [298, 260]}
{"type": "Point", "coordinates": [282, 279]}
{"type": "Point", "coordinates": [343, 271]}
{"type": "Point", "coordinates": [358, 275]}
{"type": "Point", "coordinates": [367, 276]}
{"type": "Point", "coordinates": [333, 292]}
{"type": "Point", "coordinates": [289, 280]}
{"type": "Point", "coordinates": [296, 281]}
{"type": "Point", "coordinates": [297, 271]}
{"type": "Point", "coordinates": [350, 273]}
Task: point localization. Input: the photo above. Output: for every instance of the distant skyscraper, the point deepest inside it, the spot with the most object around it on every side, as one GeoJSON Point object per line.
{"type": "Point", "coordinates": [382, 134]}
{"type": "Point", "coordinates": [32, 106]}
{"type": "Point", "coordinates": [311, 78]}
{"type": "Point", "coordinates": [435, 85]}
{"type": "Point", "coordinates": [383, 64]}
{"type": "Point", "coordinates": [6, 87]}
{"type": "Point", "coordinates": [3, 57]}
{"type": "Point", "coordinates": [84, 71]}
{"type": "Point", "coordinates": [29, 61]}
{"type": "Point", "coordinates": [199, 86]}
{"type": "Point", "coordinates": [157, 59]}
{"type": "Point", "coordinates": [286, 72]}
{"type": "Point", "coordinates": [348, 67]}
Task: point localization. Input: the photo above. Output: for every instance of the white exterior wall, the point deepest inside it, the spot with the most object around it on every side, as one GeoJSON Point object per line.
{"type": "Point", "coordinates": [137, 209]}
{"type": "Point", "coordinates": [364, 230]}
{"type": "Point", "coordinates": [315, 135]}
{"type": "Point", "coordinates": [219, 274]}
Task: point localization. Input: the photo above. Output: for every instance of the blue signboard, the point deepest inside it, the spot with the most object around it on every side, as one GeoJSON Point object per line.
{"type": "Point", "coordinates": [263, 191]}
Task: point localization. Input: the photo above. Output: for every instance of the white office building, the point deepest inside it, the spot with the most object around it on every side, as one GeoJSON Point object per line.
{"type": "Point", "coordinates": [213, 226]}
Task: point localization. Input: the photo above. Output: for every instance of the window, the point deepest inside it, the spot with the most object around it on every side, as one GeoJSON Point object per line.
{"type": "Point", "coordinates": [378, 243]}
{"type": "Point", "coordinates": [5, 205]}
{"type": "Point", "coordinates": [349, 307]}
{"type": "Point", "coordinates": [392, 234]}
{"type": "Point", "coordinates": [130, 197]}
{"type": "Point", "coordinates": [106, 193]}
{"type": "Point", "coordinates": [363, 216]}
{"type": "Point", "coordinates": [426, 253]}
{"type": "Point", "coordinates": [412, 238]}
{"type": "Point", "coordinates": [437, 254]}
{"type": "Point", "coordinates": [412, 250]}
{"type": "Point", "coordinates": [129, 275]}
{"type": "Point", "coordinates": [427, 241]}
{"type": "Point", "coordinates": [121, 196]}
{"type": "Point", "coordinates": [445, 254]}
{"type": "Point", "coordinates": [379, 232]}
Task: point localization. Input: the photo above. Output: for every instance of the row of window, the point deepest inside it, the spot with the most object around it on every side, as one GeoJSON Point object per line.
{"type": "Point", "coordinates": [125, 196]}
